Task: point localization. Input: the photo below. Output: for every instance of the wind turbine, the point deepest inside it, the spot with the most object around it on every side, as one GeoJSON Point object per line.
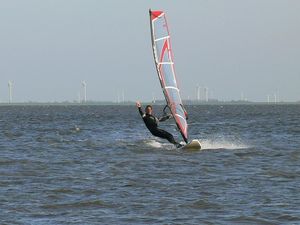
{"type": "Point", "coordinates": [84, 90]}
{"type": "Point", "coordinates": [242, 96]}
{"type": "Point", "coordinates": [198, 92]}
{"type": "Point", "coordinates": [123, 96]}
{"type": "Point", "coordinates": [10, 91]}
{"type": "Point", "coordinates": [206, 94]}
{"type": "Point", "coordinates": [153, 97]}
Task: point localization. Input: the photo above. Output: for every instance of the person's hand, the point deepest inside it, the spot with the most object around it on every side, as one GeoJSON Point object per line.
{"type": "Point", "coordinates": [138, 104]}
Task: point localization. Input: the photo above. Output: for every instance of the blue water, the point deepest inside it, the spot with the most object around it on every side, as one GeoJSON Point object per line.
{"type": "Point", "coordinates": [99, 165]}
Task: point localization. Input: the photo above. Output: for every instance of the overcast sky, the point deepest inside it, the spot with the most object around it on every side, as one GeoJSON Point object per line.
{"type": "Point", "coordinates": [230, 46]}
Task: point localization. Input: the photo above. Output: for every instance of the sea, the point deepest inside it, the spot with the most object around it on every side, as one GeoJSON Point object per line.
{"type": "Point", "coordinates": [96, 164]}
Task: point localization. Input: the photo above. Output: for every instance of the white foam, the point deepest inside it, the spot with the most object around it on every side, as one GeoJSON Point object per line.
{"type": "Point", "coordinates": [154, 144]}
{"type": "Point", "coordinates": [222, 144]}
{"type": "Point", "coordinates": [206, 144]}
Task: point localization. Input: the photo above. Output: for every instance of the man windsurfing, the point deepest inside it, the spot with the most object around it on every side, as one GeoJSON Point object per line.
{"type": "Point", "coordinates": [152, 122]}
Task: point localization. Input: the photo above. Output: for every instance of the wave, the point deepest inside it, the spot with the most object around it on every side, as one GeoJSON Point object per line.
{"type": "Point", "coordinates": [207, 144]}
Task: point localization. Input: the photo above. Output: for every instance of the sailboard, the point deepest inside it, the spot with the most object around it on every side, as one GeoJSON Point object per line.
{"type": "Point", "coordinates": [164, 62]}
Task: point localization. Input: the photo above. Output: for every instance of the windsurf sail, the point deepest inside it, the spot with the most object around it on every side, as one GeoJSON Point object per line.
{"type": "Point", "coordinates": [163, 57]}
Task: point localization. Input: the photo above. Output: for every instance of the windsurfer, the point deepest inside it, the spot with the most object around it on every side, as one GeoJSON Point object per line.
{"type": "Point", "coordinates": [151, 123]}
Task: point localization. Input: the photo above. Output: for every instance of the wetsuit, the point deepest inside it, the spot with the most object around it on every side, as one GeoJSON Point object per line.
{"type": "Point", "coordinates": [151, 123]}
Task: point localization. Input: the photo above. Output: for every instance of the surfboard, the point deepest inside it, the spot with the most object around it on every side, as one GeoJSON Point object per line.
{"type": "Point", "coordinates": [194, 145]}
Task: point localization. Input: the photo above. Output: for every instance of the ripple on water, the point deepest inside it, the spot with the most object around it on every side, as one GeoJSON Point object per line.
{"type": "Point", "coordinates": [112, 171]}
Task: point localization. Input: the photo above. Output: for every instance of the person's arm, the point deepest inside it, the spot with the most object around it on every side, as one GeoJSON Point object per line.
{"type": "Point", "coordinates": [164, 118]}
{"type": "Point", "coordinates": [139, 106]}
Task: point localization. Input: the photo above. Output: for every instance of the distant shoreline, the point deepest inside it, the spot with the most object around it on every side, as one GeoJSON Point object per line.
{"type": "Point", "coordinates": [128, 103]}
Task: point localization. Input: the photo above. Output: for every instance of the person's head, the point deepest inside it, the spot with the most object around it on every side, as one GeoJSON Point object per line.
{"type": "Point", "coordinates": [148, 109]}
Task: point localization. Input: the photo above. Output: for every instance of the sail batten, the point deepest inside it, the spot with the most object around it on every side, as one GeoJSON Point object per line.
{"type": "Point", "coordinates": [162, 38]}
{"type": "Point", "coordinates": [163, 58]}
{"type": "Point", "coordinates": [164, 63]}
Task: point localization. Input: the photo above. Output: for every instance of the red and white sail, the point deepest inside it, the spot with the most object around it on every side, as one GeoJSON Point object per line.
{"type": "Point", "coordinates": [163, 57]}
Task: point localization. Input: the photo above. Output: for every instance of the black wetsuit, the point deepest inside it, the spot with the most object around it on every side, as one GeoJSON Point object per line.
{"type": "Point", "coordinates": [152, 124]}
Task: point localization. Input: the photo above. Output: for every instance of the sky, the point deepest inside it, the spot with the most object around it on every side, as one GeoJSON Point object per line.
{"type": "Point", "coordinates": [47, 48]}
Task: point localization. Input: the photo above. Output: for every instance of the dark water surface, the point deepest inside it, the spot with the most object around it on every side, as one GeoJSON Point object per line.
{"type": "Point", "coordinates": [99, 165]}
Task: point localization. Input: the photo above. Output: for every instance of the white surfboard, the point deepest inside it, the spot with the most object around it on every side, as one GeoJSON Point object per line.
{"type": "Point", "coordinates": [193, 145]}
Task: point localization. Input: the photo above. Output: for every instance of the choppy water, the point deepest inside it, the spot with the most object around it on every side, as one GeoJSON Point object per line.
{"type": "Point", "coordinates": [99, 165]}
